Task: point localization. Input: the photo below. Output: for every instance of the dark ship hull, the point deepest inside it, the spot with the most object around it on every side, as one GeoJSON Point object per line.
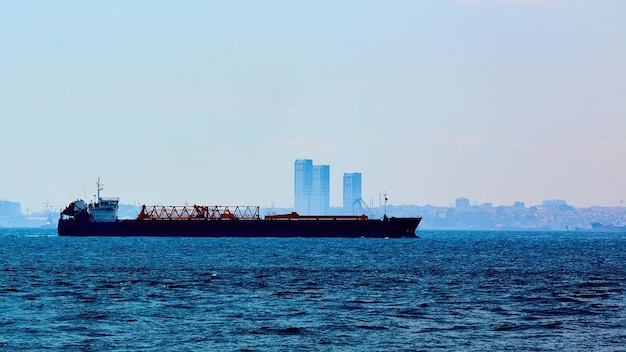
{"type": "Point", "coordinates": [292, 227]}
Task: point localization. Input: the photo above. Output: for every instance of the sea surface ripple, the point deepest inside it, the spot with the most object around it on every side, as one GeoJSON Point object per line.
{"type": "Point", "coordinates": [447, 290]}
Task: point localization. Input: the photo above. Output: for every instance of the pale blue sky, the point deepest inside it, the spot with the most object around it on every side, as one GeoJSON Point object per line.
{"type": "Point", "coordinates": [210, 102]}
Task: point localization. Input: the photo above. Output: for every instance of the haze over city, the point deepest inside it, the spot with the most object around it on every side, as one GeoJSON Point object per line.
{"type": "Point", "coordinates": [211, 102]}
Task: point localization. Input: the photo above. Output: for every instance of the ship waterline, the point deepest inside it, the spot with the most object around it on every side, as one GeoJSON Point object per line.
{"type": "Point", "coordinates": [295, 227]}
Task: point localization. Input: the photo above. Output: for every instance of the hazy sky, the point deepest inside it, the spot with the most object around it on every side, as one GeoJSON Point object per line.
{"type": "Point", "coordinates": [210, 102]}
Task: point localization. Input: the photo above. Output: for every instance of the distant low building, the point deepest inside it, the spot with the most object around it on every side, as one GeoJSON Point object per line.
{"type": "Point", "coordinates": [462, 204]}
{"type": "Point", "coordinates": [10, 209]}
{"type": "Point", "coordinates": [556, 204]}
{"type": "Point", "coordinates": [553, 203]}
{"type": "Point", "coordinates": [10, 213]}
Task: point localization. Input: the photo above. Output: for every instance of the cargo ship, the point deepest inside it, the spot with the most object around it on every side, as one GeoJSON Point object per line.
{"type": "Point", "coordinates": [100, 218]}
{"type": "Point", "coordinates": [596, 226]}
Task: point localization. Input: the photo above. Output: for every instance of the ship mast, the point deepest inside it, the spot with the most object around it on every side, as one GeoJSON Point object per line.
{"type": "Point", "coordinates": [385, 209]}
{"type": "Point", "coordinates": [100, 188]}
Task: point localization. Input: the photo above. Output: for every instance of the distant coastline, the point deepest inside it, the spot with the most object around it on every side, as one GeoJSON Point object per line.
{"type": "Point", "coordinates": [550, 216]}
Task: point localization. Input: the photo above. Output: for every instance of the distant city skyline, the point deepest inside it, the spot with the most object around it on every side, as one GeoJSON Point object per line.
{"type": "Point", "coordinates": [210, 102]}
{"type": "Point", "coordinates": [312, 189]}
{"type": "Point", "coordinates": [15, 206]}
{"type": "Point", "coordinates": [552, 215]}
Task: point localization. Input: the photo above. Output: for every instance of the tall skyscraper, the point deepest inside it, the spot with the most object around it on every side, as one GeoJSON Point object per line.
{"type": "Point", "coordinates": [321, 190]}
{"type": "Point", "coordinates": [311, 188]}
{"type": "Point", "coordinates": [303, 185]}
{"type": "Point", "coordinates": [352, 193]}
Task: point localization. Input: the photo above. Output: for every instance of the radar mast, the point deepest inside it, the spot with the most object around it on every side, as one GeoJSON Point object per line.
{"type": "Point", "coordinates": [100, 188]}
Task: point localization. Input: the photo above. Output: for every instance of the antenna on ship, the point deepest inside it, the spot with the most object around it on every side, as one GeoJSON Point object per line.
{"type": "Point", "coordinates": [100, 188]}
{"type": "Point", "coordinates": [385, 209]}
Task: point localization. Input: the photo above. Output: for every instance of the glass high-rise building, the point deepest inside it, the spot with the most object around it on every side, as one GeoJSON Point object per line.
{"type": "Point", "coordinates": [321, 190]}
{"type": "Point", "coordinates": [352, 193]}
{"type": "Point", "coordinates": [303, 185]}
{"type": "Point", "coordinates": [311, 188]}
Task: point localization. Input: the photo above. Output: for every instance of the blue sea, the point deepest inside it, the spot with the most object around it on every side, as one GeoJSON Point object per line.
{"type": "Point", "coordinates": [447, 291]}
